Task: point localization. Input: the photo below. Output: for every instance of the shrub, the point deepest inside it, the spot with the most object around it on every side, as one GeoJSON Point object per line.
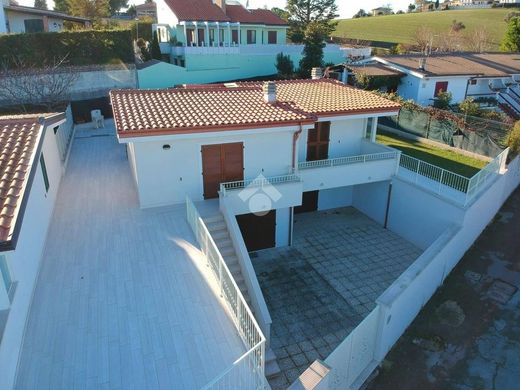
{"type": "Point", "coordinates": [443, 100]}
{"type": "Point", "coordinates": [90, 47]}
{"type": "Point", "coordinates": [514, 139]}
{"type": "Point", "coordinates": [469, 107]}
{"type": "Point", "coordinates": [284, 66]}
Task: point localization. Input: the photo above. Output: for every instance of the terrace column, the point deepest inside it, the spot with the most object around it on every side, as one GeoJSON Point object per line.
{"type": "Point", "coordinates": [239, 34]}
{"type": "Point", "coordinates": [208, 43]}
{"type": "Point", "coordinates": [196, 34]}
{"type": "Point", "coordinates": [217, 38]}
{"type": "Point", "coordinates": [229, 33]}
{"type": "Point", "coordinates": [373, 130]}
{"type": "Point", "coordinates": [185, 35]}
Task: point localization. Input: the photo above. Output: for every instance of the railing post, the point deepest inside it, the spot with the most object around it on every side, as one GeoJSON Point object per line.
{"type": "Point", "coordinates": [440, 181]}
{"type": "Point", "coordinates": [220, 276]}
{"type": "Point", "coordinates": [417, 172]}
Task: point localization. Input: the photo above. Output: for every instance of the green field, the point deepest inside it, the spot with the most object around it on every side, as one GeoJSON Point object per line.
{"type": "Point", "coordinates": [401, 28]}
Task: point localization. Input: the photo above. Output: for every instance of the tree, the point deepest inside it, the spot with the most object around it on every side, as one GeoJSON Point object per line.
{"type": "Point", "coordinates": [116, 5]}
{"type": "Point", "coordinates": [360, 14]}
{"type": "Point", "coordinates": [283, 14]}
{"type": "Point", "coordinates": [423, 39]}
{"type": "Point", "coordinates": [304, 12]}
{"type": "Point", "coordinates": [284, 66]}
{"type": "Point", "coordinates": [514, 139]}
{"type": "Point", "coordinates": [156, 49]}
{"type": "Point", "coordinates": [93, 9]}
{"type": "Point", "coordinates": [61, 6]}
{"type": "Point", "coordinates": [411, 7]}
{"type": "Point", "coordinates": [469, 107]}
{"type": "Point", "coordinates": [436, 4]}
{"type": "Point", "coordinates": [40, 4]}
{"type": "Point", "coordinates": [511, 40]}
{"type": "Point", "coordinates": [313, 49]}
{"type": "Point", "coordinates": [443, 100]}
{"type": "Point", "coordinates": [132, 11]}
{"type": "Point", "coordinates": [47, 85]}
{"type": "Point", "coordinates": [479, 41]}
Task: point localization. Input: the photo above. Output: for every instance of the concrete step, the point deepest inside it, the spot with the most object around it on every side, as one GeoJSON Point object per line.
{"type": "Point", "coordinates": [226, 251]}
{"type": "Point", "coordinates": [272, 369]}
{"type": "Point", "coordinates": [223, 242]}
{"type": "Point", "coordinates": [231, 259]}
{"type": "Point", "coordinates": [219, 235]}
{"type": "Point", "coordinates": [213, 219]}
{"type": "Point", "coordinates": [234, 269]}
{"type": "Point", "coordinates": [216, 226]}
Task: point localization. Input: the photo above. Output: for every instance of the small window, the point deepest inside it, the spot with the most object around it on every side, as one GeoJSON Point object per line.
{"type": "Point", "coordinates": [6, 274]}
{"type": "Point", "coordinates": [163, 34]}
{"type": "Point", "coordinates": [33, 25]}
{"type": "Point", "coordinates": [251, 37]}
{"type": "Point", "coordinates": [272, 38]}
{"type": "Point", "coordinates": [44, 172]}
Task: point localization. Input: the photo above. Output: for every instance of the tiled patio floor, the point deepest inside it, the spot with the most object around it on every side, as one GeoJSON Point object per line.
{"type": "Point", "coordinates": [322, 287]}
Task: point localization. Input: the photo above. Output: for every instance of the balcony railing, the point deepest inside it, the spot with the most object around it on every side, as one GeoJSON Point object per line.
{"type": "Point", "coordinates": [247, 372]}
{"type": "Point", "coordinates": [259, 182]}
{"type": "Point", "coordinates": [360, 159]}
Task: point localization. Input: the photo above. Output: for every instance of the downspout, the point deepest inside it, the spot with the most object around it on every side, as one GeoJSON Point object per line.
{"type": "Point", "coordinates": [296, 136]}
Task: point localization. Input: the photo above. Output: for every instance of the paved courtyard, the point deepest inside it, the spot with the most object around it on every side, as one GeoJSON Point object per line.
{"type": "Point", "coordinates": [323, 286]}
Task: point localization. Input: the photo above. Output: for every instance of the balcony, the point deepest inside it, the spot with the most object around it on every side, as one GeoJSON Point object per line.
{"type": "Point", "coordinates": [374, 163]}
{"type": "Point", "coordinates": [262, 194]}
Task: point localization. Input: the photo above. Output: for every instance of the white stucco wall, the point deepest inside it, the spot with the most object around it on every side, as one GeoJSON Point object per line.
{"type": "Point", "coordinates": [24, 262]}
{"type": "Point", "coordinates": [423, 90]}
{"type": "Point", "coordinates": [283, 227]}
{"type": "Point", "coordinates": [167, 176]}
{"type": "Point", "coordinates": [3, 26]}
{"type": "Point", "coordinates": [334, 198]}
{"type": "Point", "coordinates": [165, 15]}
{"type": "Point", "coordinates": [344, 138]}
{"type": "Point", "coordinates": [372, 199]}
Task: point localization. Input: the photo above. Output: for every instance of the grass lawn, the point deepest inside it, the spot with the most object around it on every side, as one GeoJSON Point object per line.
{"type": "Point", "coordinates": [447, 159]}
{"type": "Point", "coordinates": [402, 28]}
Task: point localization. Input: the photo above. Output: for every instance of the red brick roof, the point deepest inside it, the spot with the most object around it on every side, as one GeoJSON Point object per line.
{"type": "Point", "coordinates": [18, 139]}
{"type": "Point", "coordinates": [220, 108]}
{"type": "Point", "coordinates": [206, 10]}
{"type": "Point", "coordinates": [237, 13]}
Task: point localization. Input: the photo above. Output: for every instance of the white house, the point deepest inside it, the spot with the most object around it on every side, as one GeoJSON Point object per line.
{"type": "Point", "coordinates": [188, 141]}
{"type": "Point", "coordinates": [476, 75]}
{"type": "Point", "coordinates": [21, 19]}
{"type": "Point", "coordinates": [32, 161]}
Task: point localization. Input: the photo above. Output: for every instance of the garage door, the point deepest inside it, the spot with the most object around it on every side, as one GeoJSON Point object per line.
{"type": "Point", "coordinates": [258, 232]}
{"type": "Point", "coordinates": [221, 163]}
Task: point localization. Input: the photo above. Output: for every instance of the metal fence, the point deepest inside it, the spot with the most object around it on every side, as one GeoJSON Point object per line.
{"type": "Point", "coordinates": [443, 182]}
{"type": "Point", "coordinates": [247, 372]}
{"type": "Point", "coordinates": [258, 182]}
{"type": "Point", "coordinates": [364, 158]}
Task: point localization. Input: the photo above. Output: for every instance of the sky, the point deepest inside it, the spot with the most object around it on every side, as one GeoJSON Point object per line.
{"type": "Point", "coordinates": [347, 8]}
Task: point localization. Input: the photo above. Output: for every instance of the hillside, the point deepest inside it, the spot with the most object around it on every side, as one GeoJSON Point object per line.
{"type": "Point", "coordinates": [401, 28]}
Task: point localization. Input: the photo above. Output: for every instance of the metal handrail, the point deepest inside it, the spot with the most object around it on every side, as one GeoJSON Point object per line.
{"type": "Point", "coordinates": [258, 182]}
{"type": "Point", "coordinates": [333, 162]}
{"type": "Point", "coordinates": [243, 318]}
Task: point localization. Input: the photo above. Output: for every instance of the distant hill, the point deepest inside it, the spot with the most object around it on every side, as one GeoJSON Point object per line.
{"type": "Point", "coordinates": [401, 28]}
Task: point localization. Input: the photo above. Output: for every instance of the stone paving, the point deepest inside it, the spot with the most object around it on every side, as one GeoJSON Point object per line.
{"type": "Point", "coordinates": [322, 287]}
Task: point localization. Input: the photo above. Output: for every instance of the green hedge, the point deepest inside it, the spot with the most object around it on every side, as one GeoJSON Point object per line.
{"type": "Point", "coordinates": [91, 47]}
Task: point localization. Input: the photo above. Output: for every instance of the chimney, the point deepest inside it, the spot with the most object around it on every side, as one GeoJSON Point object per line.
{"type": "Point", "coordinates": [269, 90]}
{"type": "Point", "coordinates": [422, 63]}
{"type": "Point", "coordinates": [316, 73]}
{"type": "Point", "coordinates": [221, 4]}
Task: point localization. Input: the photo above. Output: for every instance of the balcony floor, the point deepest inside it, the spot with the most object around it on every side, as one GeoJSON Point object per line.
{"type": "Point", "coordinates": [323, 286]}
{"type": "Point", "coordinates": [123, 299]}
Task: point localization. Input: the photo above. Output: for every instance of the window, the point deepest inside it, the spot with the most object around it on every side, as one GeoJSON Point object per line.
{"type": "Point", "coordinates": [190, 36]}
{"type": "Point", "coordinates": [234, 36]}
{"type": "Point", "coordinates": [272, 38]}
{"type": "Point", "coordinates": [163, 35]}
{"type": "Point", "coordinates": [251, 37]}
{"type": "Point", "coordinates": [440, 86]}
{"type": "Point", "coordinates": [44, 172]}
{"type": "Point", "coordinates": [221, 40]}
{"type": "Point", "coordinates": [201, 36]}
{"type": "Point", "coordinates": [211, 37]}
{"type": "Point", "coordinates": [33, 25]}
{"type": "Point", "coordinates": [6, 274]}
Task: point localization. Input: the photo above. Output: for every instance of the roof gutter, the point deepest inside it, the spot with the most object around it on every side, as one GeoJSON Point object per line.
{"type": "Point", "coordinates": [296, 135]}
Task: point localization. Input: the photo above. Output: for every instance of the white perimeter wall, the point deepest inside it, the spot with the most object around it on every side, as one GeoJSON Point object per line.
{"type": "Point", "coordinates": [371, 199]}
{"type": "Point", "coordinates": [167, 176]}
{"type": "Point", "coordinates": [24, 262]}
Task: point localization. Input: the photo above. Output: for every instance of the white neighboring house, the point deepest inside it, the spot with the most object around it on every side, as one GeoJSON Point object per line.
{"type": "Point", "coordinates": [32, 163]}
{"type": "Point", "coordinates": [188, 141]}
{"type": "Point", "coordinates": [476, 75]}
{"type": "Point", "coordinates": [22, 19]}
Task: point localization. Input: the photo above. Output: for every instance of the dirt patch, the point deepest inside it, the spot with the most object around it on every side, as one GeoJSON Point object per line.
{"type": "Point", "coordinates": [450, 313]}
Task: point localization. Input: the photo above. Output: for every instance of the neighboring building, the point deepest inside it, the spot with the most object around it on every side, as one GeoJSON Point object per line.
{"type": "Point", "coordinates": [381, 11]}
{"type": "Point", "coordinates": [20, 19]}
{"type": "Point", "coordinates": [485, 75]}
{"type": "Point", "coordinates": [146, 10]}
{"type": "Point", "coordinates": [34, 150]}
{"type": "Point", "coordinates": [211, 41]}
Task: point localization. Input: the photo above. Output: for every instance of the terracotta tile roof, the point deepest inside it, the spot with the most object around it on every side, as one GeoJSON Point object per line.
{"type": "Point", "coordinates": [464, 64]}
{"type": "Point", "coordinates": [239, 106]}
{"type": "Point", "coordinates": [238, 13]}
{"type": "Point", "coordinates": [18, 142]}
{"type": "Point", "coordinates": [197, 10]}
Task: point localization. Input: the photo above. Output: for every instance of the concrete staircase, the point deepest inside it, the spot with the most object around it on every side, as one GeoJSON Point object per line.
{"type": "Point", "coordinates": [219, 232]}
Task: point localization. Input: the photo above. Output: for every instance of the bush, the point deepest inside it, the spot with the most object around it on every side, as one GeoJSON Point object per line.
{"type": "Point", "coordinates": [443, 100]}
{"type": "Point", "coordinates": [469, 107]}
{"type": "Point", "coordinates": [284, 66]}
{"type": "Point", "coordinates": [514, 139]}
{"type": "Point", "coordinates": [89, 47]}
